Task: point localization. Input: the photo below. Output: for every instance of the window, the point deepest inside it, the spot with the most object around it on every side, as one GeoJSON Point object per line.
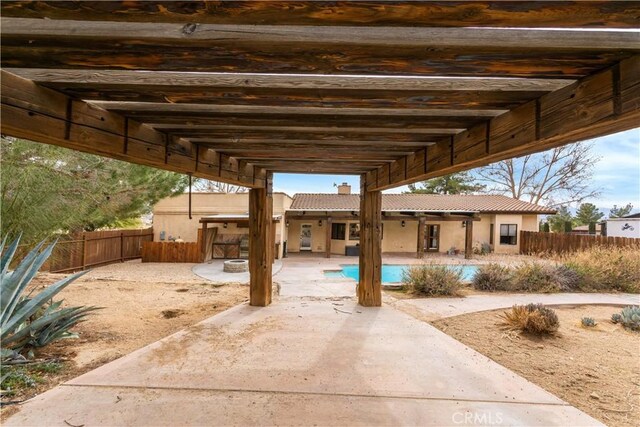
{"type": "Point", "coordinates": [354, 231]}
{"type": "Point", "coordinates": [338, 231]}
{"type": "Point", "coordinates": [508, 234]}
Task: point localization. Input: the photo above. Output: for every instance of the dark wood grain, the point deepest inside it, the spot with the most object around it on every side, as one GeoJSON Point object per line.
{"type": "Point", "coordinates": [623, 14]}
{"type": "Point", "coordinates": [256, 57]}
{"type": "Point", "coordinates": [370, 283]}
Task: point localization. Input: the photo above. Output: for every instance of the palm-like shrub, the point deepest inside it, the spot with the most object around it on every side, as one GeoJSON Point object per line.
{"type": "Point", "coordinates": [27, 320]}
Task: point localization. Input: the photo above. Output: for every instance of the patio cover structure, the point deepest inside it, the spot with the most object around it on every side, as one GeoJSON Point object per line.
{"type": "Point", "coordinates": [396, 92]}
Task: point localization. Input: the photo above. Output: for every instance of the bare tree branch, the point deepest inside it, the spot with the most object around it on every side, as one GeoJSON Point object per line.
{"type": "Point", "coordinates": [557, 177]}
{"type": "Point", "coordinates": [206, 186]}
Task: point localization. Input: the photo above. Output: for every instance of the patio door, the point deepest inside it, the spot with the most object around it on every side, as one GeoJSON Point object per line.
{"type": "Point", "coordinates": [432, 238]}
{"type": "Point", "coordinates": [305, 237]}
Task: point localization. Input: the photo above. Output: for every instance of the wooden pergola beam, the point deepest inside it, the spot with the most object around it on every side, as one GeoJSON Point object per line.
{"type": "Point", "coordinates": [377, 50]}
{"type": "Point", "coordinates": [604, 103]}
{"type": "Point", "coordinates": [196, 109]}
{"type": "Point", "coordinates": [44, 115]}
{"type": "Point", "coordinates": [600, 14]}
{"type": "Point", "coordinates": [177, 81]}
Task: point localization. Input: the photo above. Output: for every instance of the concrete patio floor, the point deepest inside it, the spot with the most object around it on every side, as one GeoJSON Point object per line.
{"type": "Point", "coordinates": [311, 359]}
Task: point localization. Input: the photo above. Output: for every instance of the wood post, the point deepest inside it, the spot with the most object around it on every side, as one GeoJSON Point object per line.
{"type": "Point", "coordinates": [261, 246]}
{"type": "Point", "coordinates": [273, 239]}
{"type": "Point", "coordinates": [468, 239]}
{"type": "Point", "coordinates": [203, 243]}
{"type": "Point", "coordinates": [122, 247]}
{"type": "Point", "coordinates": [422, 225]}
{"type": "Point", "coordinates": [369, 287]}
{"type": "Point", "coordinates": [84, 251]}
{"type": "Point", "coordinates": [327, 245]}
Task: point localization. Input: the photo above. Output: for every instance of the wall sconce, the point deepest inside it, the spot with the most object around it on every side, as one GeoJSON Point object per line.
{"type": "Point", "coordinates": [319, 223]}
{"type": "Point", "coordinates": [287, 223]}
{"type": "Point", "coordinates": [464, 224]}
{"type": "Point", "coordinates": [225, 225]}
{"type": "Point", "coordinates": [403, 223]}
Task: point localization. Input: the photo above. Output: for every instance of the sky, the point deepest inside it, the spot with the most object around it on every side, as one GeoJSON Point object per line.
{"type": "Point", "coordinates": [617, 174]}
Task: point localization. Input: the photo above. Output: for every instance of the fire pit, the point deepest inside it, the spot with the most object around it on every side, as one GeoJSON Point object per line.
{"type": "Point", "coordinates": [236, 266]}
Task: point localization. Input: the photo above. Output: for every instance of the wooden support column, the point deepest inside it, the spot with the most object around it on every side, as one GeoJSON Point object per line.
{"type": "Point", "coordinates": [421, 230]}
{"type": "Point", "coordinates": [261, 245]}
{"type": "Point", "coordinates": [273, 240]}
{"type": "Point", "coordinates": [327, 244]}
{"type": "Point", "coordinates": [468, 240]}
{"type": "Point", "coordinates": [203, 243]}
{"type": "Point", "coordinates": [369, 287]}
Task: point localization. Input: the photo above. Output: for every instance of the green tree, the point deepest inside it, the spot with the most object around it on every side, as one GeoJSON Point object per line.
{"type": "Point", "coordinates": [619, 212]}
{"type": "Point", "coordinates": [557, 222]}
{"type": "Point", "coordinates": [47, 189]}
{"type": "Point", "coordinates": [455, 183]}
{"type": "Point", "coordinates": [588, 213]}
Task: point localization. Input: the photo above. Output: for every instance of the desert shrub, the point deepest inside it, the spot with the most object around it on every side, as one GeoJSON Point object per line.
{"type": "Point", "coordinates": [566, 279]}
{"type": "Point", "coordinates": [493, 277]}
{"type": "Point", "coordinates": [616, 318]}
{"type": "Point", "coordinates": [603, 268]}
{"type": "Point", "coordinates": [531, 318]}
{"type": "Point", "coordinates": [588, 322]}
{"type": "Point", "coordinates": [536, 277]}
{"type": "Point", "coordinates": [630, 317]}
{"type": "Point", "coordinates": [432, 280]}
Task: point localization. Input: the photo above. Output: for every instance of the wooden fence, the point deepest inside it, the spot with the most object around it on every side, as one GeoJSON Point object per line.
{"type": "Point", "coordinates": [533, 242]}
{"type": "Point", "coordinates": [96, 248]}
{"type": "Point", "coordinates": [171, 252]}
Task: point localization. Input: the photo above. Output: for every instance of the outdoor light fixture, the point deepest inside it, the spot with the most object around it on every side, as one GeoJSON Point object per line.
{"type": "Point", "coordinates": [287, 223]}
{"type": "Point", "coordinates": [225, 225]}
{"type": "Point", "coordinates": [403, 223]}
{"type": "Point", "coordinates": [464, 224]}
{"type": "Point", "coordinates": [319, 223]}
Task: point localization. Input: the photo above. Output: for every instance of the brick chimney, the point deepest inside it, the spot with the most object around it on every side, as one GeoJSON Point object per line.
{"type": "Point", "coordinates": [344, 188]}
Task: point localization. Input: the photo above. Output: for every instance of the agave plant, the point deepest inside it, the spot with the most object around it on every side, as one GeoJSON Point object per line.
{"type": "Point", "coordinates": [631, 317]}
{"type": "Point", "coordinates": [28, 320]}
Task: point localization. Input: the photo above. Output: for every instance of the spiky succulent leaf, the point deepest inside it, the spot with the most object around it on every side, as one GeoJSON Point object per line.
{"type": "Point", "coordinates": [36, 303]}
{"type": "Point", "coordinates": [13, 285]}
{"type": "Point", "coordinates": [7, 255]}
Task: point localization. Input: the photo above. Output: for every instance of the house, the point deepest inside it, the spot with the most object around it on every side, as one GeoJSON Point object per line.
{"type": "Point", "coordinates": [329, 223]}
{"type": "Point", "coordinates": [584, 229]}
{"type": "Point", "coordinates": [627, 226]}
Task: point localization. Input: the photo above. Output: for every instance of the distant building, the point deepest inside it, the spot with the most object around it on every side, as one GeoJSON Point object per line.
{"type": "Point", "coordinates": [329, 223]}
{"type": "Point", "coordinates": [584, 229]}
{"type": "Point", "coordinates": [628, 226]}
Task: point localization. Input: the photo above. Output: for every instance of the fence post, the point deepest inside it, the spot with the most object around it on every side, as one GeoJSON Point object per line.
{"type": "Point", "coordinates": [122, 246]}
{"type": "Point", "coordinates": [84, 249]}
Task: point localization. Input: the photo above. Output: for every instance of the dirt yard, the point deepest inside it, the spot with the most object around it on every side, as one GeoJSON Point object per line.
{"type": "Point", "coordinates": [142, 304]}
{"type": "Point", "coordinates": [595, 369]}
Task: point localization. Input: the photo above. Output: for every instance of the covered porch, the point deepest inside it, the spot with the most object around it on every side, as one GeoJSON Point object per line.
{"type": "Point", "coordinates": [238, 91]}
{"type": "Point", "coordinates": [338, 233]}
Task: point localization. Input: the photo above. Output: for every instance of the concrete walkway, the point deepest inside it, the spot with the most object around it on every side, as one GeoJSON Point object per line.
{"type": "Point", "coordinates": [314, 357]}
{"type": "Point", "coordinates": [438, 308]}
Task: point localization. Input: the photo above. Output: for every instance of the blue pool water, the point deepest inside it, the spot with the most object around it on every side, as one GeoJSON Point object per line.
{"type": "Point", "coordinates": [392, 273]}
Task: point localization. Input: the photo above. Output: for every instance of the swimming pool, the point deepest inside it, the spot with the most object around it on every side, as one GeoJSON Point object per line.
{"type": "Point", "coordinates": [392, 273]}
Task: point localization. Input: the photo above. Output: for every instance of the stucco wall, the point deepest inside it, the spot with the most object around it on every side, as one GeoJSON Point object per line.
{"type": "Point", "coordinates": [171, 215]}
{"type": "Point", "coordinates": [524, 222]}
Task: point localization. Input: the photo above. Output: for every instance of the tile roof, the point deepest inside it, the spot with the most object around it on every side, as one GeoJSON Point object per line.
{"type": "Point", "coordinates": [417, 202]}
